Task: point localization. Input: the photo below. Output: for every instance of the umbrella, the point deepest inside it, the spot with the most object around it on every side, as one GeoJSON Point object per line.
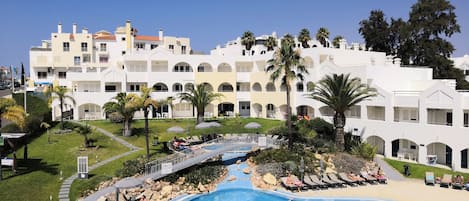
{"type": "Point", "coordinates": [175, 129]}
{"type": "Point", "coordinates": [252, 125]}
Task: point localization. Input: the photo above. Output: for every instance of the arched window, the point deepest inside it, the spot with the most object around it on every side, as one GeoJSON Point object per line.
{"type": "Point", "coordinates": [208, 86]}
{"type": "Point", "coordinates": [160, 87]}
{"type": "Point", "coordinates": [204, 67]}
{"type": "Point", "coordinates": [224, 67]}
{"type": "Point", "coordinates": [310, 86]}
{"type": "Point", "coordinates": [188, 87]}
{"type": "Point", "coordinates": [177, 87]}
{"type": "Point", "coordinates": [182, 67]}
{"type": "Point", "coordinates": [225, 87]}
{"type": "Point", "coordinates": [256, 87]}
{"type": "Point", "coordinates": [270, 87]}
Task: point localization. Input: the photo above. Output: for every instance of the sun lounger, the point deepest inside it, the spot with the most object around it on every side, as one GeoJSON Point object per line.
{"type": "Point", "coordinates": [310, 183]}
{"type": "Point", "coordinates": [370, 179]}
{"type": "Point", "coordinates": [458, 182]}
{"type": "Point", "coordinates": [328, 181]}
{"type": "Point", "coordinates": [429, 178]}
{"type": "Point", "coordinates": [446, 180]}
{"type": "Point", "coordinates": [292, 183]}
{"type": "Point", "coordinates": [334, 178]}
{"type": "Point", "coordinates": [344, 177]}
{"type": "Point", "coordinates": [316, 180]}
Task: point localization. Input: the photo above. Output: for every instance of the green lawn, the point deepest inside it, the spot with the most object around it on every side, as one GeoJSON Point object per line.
{"type": "Point", "coordinates": [39, 176]}
{"type": "Point", "coordinates": [418, 170]}
{"type": "Point", "coordinates": [159, 127]}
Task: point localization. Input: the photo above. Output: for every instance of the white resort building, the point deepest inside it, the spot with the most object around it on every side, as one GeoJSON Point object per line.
{"type": "Point", "coordinates": [414, 117]}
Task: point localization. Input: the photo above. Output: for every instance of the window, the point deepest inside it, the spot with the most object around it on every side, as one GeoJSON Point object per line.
{"type": "Point", "coordinates": [134, 87]}
{"type": "Point", "coordinates": [66, 46]}
{"type": "Point", "coordinates": [76, 60]}
{"type": "Point", "coordinates": [84, 47]}
{"type": "Point", "coordinates": [183, 49]}
{"type": "Point", "coordinates": [62, 75]}
{"type": "Point", "coordinates": [86, 58]}
{"type": "Point", "coordinates": [123, 52]}
{"type": "Point", "coordinates": [299, 87]}
{"type": "Point", "coordinates": [177, 87]}
{"type": "Point", "coordinates": [41, 75]}
{"type": "Point", "coordinates": [171, 48]}
{"type": "Point", "coordinates": [140, 45]}
{"type": "Point", "coordinates": [103, 47]}
{"type": "Point", "coordinates": [110, 88]}
{"type": "Point", "coordinates": [153, 46]}
{"type": "Point", "coordinates": [103, 59]}
{"type": "Point", "coordinates": [123, 39]}
{"type": "Point", "coordinates": [466, 72]}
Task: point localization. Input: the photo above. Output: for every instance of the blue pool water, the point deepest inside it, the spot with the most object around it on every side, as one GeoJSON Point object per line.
{"type": "Point", "coordinates": [254, 195]}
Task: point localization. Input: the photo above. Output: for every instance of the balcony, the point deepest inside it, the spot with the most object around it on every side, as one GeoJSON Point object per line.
{"type": "Point", "coordinates": [440, 117]}
{"type": "Point", "coordinates": [406, 114]}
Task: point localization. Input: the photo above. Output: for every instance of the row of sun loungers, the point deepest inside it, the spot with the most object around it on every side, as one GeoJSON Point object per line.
{"type": "Point", "coordinates": [329, 181]}
{"type": "Point", "coordinates": [447, 180]}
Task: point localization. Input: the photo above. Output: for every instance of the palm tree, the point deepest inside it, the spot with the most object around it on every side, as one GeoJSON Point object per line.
{"type": "Point", "coordinates": [336, 41]}
{"type": "Point", "coordinates": [287, 65]}
{"type": "Point", "coordinates": [270, 43]}
{"type": "Point", "coordinates": [340, 93]}
{"type": "Point", "coordinates": [322, 35]}
{"type": "Point", "coordinates": [199, 97]}
{"type": "Point", "coordinates": [145, 102]}
{"type": "Point", "coordinates": [60, 93]}
{"type": "Point", "coordinates": [125, 105]}
{"type": "Point", "coordinates": [12, 112]}
{"type": "Point", "coordinates": [46, 126]}
{"type": "Point", "coordinates": [304, 37]}
{"type": "Point", "coordinates": [248, 40]}
{"type": "Point", "coordinates": [85, 131]}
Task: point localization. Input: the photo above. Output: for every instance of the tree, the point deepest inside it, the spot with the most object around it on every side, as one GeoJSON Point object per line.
{"type": "Point", "coordinates": [304, 37]}
{"type": "Point", "coordinates": [46, 126]}
{"type": "Point", "coordinates": [85, 131]}
{"type": "Point", "coordinates": [270, 43]}
{"type": "Point", "coordinates": [432, 22]}
{"type": "Point", "coordinates": [145, 102]}
{"type": "Point", "coordinates": [340, 93]}
{"type": "Point", "coordinates": [9, 110]}
{"type": "Point", "coordinates": [169, 101]}
{"type": "Point", "coordinates": [287, 65]}
{"type": "Point", "coordinates": [248, 40]}
{"type": "Point", "coordinates": [336, 41]}
{"type": "Point", "coordinates": [322, 35]}
{"type": "Point", "coordinates": [60, 93]}
{"type": "Point", "coordinates": [375, 31]}
{"type": "Point", "coordinates": [125, 105]}
{"type": "Point", "coordinates": [200, 98]}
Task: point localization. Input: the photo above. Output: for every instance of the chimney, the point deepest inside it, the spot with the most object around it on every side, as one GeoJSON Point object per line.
{"type": "Point", "coordinates": [342, 44]}
{"type": "Point", "coordinates": [388, 60]}
{"type": "Point", "coordinates": [274, 34]}
{"type": "Point", "coordinates": [397, 62]}
{"type": "Point", "coordinates": [84, 30]}
{"type": "Point", "coordinates": [74, 28]}
{"type": "Point", "coordinates": [160, 34]}
{"type": "Point", "coordinates": [59, 28]}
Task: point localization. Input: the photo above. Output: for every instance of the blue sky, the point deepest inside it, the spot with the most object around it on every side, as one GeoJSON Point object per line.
{"type": "Point", "coordinates": [207, 23]}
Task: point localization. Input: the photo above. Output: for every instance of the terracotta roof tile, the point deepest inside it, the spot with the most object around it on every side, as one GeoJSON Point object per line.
{"type": "Point", "coordinates": [104, 37]}
{"type": "Point", "coordinates": [149, 38]}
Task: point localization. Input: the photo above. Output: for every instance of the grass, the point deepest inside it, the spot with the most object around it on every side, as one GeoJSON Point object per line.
{"type": "Point", "coordinates": [159, 127]}
{"type": "Point", "coordinates": [417, 171]}
{"type": "Point", "coordinates": [39, 176]}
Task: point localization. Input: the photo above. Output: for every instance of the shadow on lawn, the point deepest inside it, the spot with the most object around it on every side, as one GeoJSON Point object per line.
{"type": "Point", "coordinates": [31, 165]}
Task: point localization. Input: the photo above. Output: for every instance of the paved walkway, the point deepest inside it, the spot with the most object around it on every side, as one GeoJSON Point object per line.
{"type": "Point", "coordinates": [65, 188]}
{"type": "Point", "coordinates": [391, 173]}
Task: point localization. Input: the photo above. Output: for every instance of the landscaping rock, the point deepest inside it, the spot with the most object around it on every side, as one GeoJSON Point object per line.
{"type": "Point", "coordinates": [232, 178]}
{"type": "Point", "coordinates": [201, 188]}
{"type": "Point", "coordinates": [102, 198]}
{"type": "Point", "coordinates": [269, 179]}
{"type": "Point", "coordinates": [166, 190]}
{"type": "Point", "coordinates": [247, 171]}
{"type": "Point", "coordinates": [238, 162]}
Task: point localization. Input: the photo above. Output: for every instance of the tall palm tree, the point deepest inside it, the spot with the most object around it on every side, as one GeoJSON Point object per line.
{"type": "Point", "coordinates": [270, 43]}
{"type": "Point", "coordinates": [322, 35]}
{"type": "Point", "coordinates": [61, 94]}
{"type": "Point", "coordinates": [340, 93]}
{"type": "Point", "coordinates": [336, 41]}
{"type": "Point", "coordinates": [200, 98]}
{"type": "Point", "coordinates": [125, 105]}
{"type": "Point", "coordinates": [304, 37]}
{"type": "Point", "coordinates": [169, 101]}
{"type": "Point", "coordinates": [287, 65]}
{"type": "Point", "coordinates": [248, 40]}
{"type": "Point", "coordinates": [145, 103]}
{"type": "Point", "coordinates": [12, 112]}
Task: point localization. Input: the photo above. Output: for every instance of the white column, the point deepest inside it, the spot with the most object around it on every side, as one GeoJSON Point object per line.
{"type": "Point", "coordinates": [422, 157]}
{"type": "Point", "coordinates": [388, 149]}
{"type": "Point", "coordinates": [389, 113]}
{"type": "Point", "coordinates": [458, 117]}
{"type": "Point", "coordinates": [456, 162]}
{"type": "Point", "coordinates": [363, 112]}
{"type": "Point", "coordinates": [422, 114]}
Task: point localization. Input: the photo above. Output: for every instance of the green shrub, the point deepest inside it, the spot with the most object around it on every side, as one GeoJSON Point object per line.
{"type": "Point", "coordinates": [204, 173]}
{"type": "Point", "coordinates": [132, 167]}
{"type": "Point", "coordinates": [364, 150]}
{"type": "Point", "coordinates": [279, 130]}
{"type": "Point", "coordinates": [116, 117]}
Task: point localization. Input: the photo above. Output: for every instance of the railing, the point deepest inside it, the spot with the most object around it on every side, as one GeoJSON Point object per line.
{"type": "Point", "coordinates": [231, 143]}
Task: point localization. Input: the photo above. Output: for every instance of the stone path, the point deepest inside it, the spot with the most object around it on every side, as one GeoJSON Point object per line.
{"type": "Point", "coordinates": [65, 188]}
{"type": "Point", "coordinates": [390, 172]}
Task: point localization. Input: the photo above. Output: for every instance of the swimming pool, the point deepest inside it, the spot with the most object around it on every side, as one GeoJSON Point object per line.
{"type": "Point", "coordinates": [218, 146]}
{"type": "Point", "coordinates": [255, 195]}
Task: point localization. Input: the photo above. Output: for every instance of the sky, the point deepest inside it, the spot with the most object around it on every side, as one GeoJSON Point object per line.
{"type": "Point", "coordinates": [206, 22]}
